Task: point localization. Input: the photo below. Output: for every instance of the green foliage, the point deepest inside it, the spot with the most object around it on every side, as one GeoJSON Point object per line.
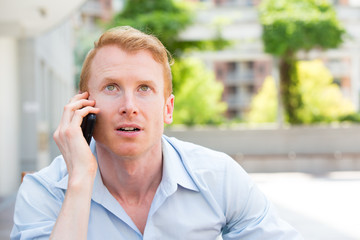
{"type": "Point", "coordinates": [263, 108]}
{"type": "Point", "coordinates": [198, 100]}
{"type": "Point", "coordinates": [322, 99]}
{"type": "Point", "coordinates": [165, 19]}
{"type": "Point", "coordinates": [352, 117]}
{"type": "Point", "coordinates": [292, 25]}
{"type": "Point", "coordinates": [134, 8]}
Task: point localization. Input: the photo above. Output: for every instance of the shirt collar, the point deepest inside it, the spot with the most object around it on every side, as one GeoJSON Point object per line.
{"type": "Point", "coordinates": [174, 172]}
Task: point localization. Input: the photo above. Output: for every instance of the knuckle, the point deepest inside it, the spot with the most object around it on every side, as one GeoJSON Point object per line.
{"type": "Point", "coordinates": [81, 112]}
{"type": "Point", "coordinates": [68, 132]}
{"type": "Point", "coordinates": [67, 108]}
{"type": "Point", "coordinates": [77, 113]}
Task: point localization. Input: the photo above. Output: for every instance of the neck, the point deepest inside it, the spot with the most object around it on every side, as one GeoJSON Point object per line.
{"type": "Point", "coordinates": [131, 180]}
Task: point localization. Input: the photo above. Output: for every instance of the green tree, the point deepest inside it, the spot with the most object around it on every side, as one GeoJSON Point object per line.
{"type": "Point", "coordinates": [163, 18]}
{"type": "Point", "coordinates": [263, 107]}
{"type": "Point", "coordinates": [322, 99]}
{"type": "Point", "coordinates": [293, 25]}
{"type": "Point", "coordinates": [198, 101]}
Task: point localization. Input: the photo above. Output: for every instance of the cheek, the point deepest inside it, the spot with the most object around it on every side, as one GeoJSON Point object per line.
{"type": "Point", "coordinates": [107, 111]}
{"type": "Point", "coordinates": [105, 103]}
{"type": "Point", "coordinates": [154, 113]}
{"type": "Point", "coordinates": [103, 122]}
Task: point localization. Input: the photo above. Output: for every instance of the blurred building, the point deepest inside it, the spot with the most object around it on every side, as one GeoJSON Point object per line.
{"type": "Point", "coordinates": [95, 11]}
{"type": "Point", "coordinates": [243, 68]}
{"type": "Point", "coordinates": [36, 74]}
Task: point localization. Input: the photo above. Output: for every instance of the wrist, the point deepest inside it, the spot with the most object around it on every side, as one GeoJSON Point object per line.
{"type": "Point", "coordinates": [82, 180]}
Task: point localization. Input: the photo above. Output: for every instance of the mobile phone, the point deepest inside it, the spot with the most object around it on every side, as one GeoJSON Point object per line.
{"type": "Point", "coordinates": [88, 125]}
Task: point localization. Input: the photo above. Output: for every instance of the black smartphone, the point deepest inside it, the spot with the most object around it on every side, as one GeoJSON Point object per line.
{"type": "Point", "coordinates": [88, 125]}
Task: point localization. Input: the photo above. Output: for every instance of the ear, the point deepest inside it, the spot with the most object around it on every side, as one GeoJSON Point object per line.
{"type": "Point", "coordinates": [169, 109]}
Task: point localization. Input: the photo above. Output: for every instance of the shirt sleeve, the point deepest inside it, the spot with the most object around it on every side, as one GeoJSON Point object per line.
{"type": "Point", "coordinates": [249, 214]}
{"type": "Point", "coordinates": [37, 206]}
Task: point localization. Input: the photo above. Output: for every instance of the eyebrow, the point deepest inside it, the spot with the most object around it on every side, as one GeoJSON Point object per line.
{"type": "Point", "coordinates": [139, 82]}
{"type": "Point", "coordinates": [148, 82]}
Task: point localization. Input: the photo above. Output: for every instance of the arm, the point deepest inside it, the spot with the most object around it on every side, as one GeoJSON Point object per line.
{"type": "Point", "coordinates": [72, 221]}
{"type": "Point", "coordinates": [250, 215]}
{"type": "Point", "coordinates": [73, 218]}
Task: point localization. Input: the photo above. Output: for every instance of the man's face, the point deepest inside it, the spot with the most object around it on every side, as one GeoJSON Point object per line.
{"type": "Point", "coordinates": [129, 90]}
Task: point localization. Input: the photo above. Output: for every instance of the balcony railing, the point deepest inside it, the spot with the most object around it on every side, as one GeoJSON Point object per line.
{"type": "Point", "coordinates": [238, 101]}
{"type": "Point", "coordinates": [240, 78]}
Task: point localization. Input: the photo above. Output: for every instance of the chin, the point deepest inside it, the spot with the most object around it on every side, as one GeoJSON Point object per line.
{"type": "Point", "coordinates": [128, 150]}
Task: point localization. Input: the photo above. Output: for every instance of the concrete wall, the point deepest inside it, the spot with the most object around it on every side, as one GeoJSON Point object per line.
{"type": "Point", "coordinates": [268, 149]}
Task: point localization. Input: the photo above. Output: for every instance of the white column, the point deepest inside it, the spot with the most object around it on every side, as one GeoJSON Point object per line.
{"type": "Point", "coordinates": [9, 98]}
{"type": "Point", "coordinates": [355, 77]}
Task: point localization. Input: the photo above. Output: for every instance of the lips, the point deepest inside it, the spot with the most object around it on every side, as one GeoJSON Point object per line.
{"type": "Point", "coordinates": [129, 128]}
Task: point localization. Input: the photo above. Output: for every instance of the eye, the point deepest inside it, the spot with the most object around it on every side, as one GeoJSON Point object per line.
{"type": "Point", "coordinates": [144, 88]}
{"type": "Point", "coordinates": [110, 87]}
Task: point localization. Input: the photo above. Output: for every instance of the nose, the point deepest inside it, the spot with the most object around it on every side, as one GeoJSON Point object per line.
{"type": "Point", "coordinates": [128, 106]}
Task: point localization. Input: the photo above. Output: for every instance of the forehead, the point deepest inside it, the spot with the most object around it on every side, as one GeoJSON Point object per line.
{"type": "Point", "coordinates": [113, 62]}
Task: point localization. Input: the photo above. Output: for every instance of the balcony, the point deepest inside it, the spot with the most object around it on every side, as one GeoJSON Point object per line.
{"type": "Point", "coordinates": [238, 101]}
{"type": "Point", "coordinates": [239, 78]}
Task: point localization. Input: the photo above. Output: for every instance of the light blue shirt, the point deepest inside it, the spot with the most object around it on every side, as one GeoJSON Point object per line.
{"type": "Point", "coordinates": [202, 194]}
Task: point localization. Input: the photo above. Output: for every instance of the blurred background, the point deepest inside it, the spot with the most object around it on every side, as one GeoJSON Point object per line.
{"type": "Point", "coordinates": [273, 83]}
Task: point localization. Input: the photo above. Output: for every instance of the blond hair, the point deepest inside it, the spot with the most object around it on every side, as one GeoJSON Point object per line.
{"type": "Point", "coordinates": [130, 40]}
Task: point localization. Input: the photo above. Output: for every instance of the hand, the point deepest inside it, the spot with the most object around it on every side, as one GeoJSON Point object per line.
{"type": "Point", "coordinates": [80, 161]}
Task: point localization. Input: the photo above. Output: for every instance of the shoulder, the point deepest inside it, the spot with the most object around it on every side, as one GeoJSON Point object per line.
{"type": "Point", "coordinates": [214, 170]}
{"type": "Point", "coordinates": [200, 158]}
{"type": "Point", "coordinates": [217, 175]}
{"type": "Point", "coordinates": [49, 182]}
{"type": "Point", "coordinates": [39, 201]}
{"type": "Point", "coordinates": [50, 175]}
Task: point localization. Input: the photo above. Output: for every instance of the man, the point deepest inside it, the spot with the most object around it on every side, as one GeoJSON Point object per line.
{"type": "Point", "coordinates": [133, 182]}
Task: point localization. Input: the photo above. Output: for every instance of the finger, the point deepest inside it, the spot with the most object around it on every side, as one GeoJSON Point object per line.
{"type": "Point", "coordinates": [77, 97]}
{"type": "Point", "coordinates": [67, 111]}
{"type": "Point", "coordinates": [70, 131]}
{"type": "Point", "coordinates": [81, 113]}
{"type": "Point", "coordinates": [70, 108]}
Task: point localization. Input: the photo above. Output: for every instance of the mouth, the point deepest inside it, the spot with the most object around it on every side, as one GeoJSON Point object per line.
{"type": "Point", "coordinates": [129, 129]}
